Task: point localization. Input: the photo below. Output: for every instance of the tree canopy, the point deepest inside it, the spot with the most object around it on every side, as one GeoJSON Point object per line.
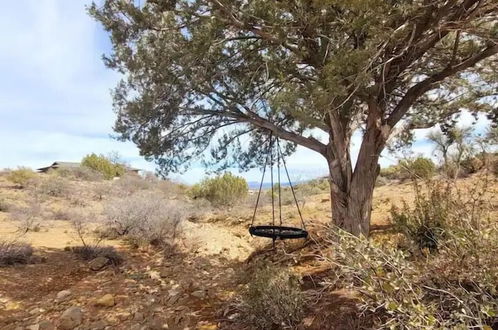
{"type": "Point", "coordinates": [220, 75]}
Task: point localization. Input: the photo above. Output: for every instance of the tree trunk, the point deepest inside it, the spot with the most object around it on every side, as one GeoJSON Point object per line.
{"type": "Point", "coordinates": [352, 191]}
{"type": "Point", "coordinates": [351, 208]}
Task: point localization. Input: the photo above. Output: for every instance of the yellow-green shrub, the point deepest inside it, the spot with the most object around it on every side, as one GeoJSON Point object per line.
{"type": "Point", "coordinates": [222, 190]}
{"type": "Point", "coordinates": [420, 167]}
{"type": "Point", "coordinates": [21, 176]}
{"type": "Point", "coordinates": [103, 165]}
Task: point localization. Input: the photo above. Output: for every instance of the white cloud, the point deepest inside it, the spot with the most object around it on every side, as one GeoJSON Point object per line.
{"type": "Point", "coordinates": [54, 93]}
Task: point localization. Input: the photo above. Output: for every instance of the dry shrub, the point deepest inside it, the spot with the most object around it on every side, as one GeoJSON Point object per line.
{"type": "Point", "coordinates": [144, 218]}
{"type": "Point", "coordinates": [4, 205]}
{"type": "Point", "coordinates": [12, 253]}
{"type": "Point", "coordinates": [21, 177]}
{"type": "Point", "coordinates": [130, 184]}
{"type": "Point", "coordinates": [101, 190]}
{"type": "Point", "coordinates": [453, 287]}
{"type": "Point", "coordinates": [79, 173]}
{"type": "Point", "coordinates": [90, 252]}
{"type": "Point", "coordinates": [52, 185]}
{"type": "Point", "coordinates": [442, 206]}
{"type": "Point", "coordinates": [27, 218]}
{"type": "Point", "coordinates": [273, 299]}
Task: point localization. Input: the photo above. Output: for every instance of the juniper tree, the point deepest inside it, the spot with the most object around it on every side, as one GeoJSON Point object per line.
{"type": "Point", "coordinates": [222, 75]}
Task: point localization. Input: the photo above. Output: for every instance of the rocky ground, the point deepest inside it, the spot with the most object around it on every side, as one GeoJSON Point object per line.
{"type": "Point", "coordinates": [193, 286]}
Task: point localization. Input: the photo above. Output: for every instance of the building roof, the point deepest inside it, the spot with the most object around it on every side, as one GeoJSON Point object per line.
{"type": "Point", "coordinates": [59, 164]}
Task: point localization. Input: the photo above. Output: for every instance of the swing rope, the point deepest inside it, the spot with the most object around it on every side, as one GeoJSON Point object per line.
{"type": "Point", "coordinates": [280, 231]}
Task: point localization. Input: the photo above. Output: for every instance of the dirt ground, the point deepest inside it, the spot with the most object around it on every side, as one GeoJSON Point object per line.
{"type": "Point", "coordinates": [190, 287]}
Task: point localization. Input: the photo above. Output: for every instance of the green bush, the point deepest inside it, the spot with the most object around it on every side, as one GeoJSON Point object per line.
{"type": "Point", "coordinates": [392, 172]}
{"type": "Point", "coordinates": [21, 177]}
{"type": "Point", "coordinates": [453, 289]}
{"type": "Point", "coordinates": [425, 223]}
{"type": "Point", "coordinates": [103, 165]}
{"type": "Point", "coordinates": [419, 168]}
{"type": "Point", "coordinates": [273, 299]}
{"type": "Point", "coordinates": [223, 190]}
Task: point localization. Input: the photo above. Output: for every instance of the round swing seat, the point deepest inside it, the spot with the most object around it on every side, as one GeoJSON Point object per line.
{"type": "Point", "coordinates": [278, 232]}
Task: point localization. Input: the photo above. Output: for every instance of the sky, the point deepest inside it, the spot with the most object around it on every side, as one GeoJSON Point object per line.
{"type": "Point", "coordinates": [55, 101]}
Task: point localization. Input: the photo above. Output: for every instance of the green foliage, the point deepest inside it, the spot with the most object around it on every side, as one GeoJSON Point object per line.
{"type": "Point", "coordinates": [426, 221]}
{"type": "Point", "coordinates": [222, 190]}
{"type": "Point", "coordinates": [273, 299]}
{"type": "Point", "coordinates": [448, 290]}
{"type": "Point", "coordinates": [201, 66]}
{"type": "Point", "coordinates": [21, 176]}
{"type": "Point", "coordinates": [418, 168]}
{"type": "Point", "coordinates": [452, 288]}
{"type": "Point", "coordinates": [392, 172]}
{"type": "Point", "coordinates": [103, 165]}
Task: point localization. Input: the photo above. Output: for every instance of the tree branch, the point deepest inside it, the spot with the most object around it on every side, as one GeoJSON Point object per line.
{"type": "Point", "coordinates": [425, 85]}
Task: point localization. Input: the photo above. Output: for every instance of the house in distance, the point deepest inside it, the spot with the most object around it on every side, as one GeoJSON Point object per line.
{"type": "Point", "coordinates": [58, 165]}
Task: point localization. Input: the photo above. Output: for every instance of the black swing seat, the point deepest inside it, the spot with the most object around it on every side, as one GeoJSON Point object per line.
{"type": "Point", "coordinates": [278, 232]}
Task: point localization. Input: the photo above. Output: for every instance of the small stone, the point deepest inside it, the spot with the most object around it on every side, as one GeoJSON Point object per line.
{"type": "Point", "coordinates": [63, 295]}
{"type": "Point", "coordinates": [98, 263]}
{"type": "Point", "coordinates": [36, 311]}
{"type": "Point", "coordinates": [157, 324]}
{"type": "Point", "coordinates": [71, 318]}
{"type": "Point", "coordinates": [46, 325]}
{"type": "Point", "coordinates": [164, 273]}
{"type": "Point", "coordinates": [201, 294]}
{"type": "Point", "coordinates": [106, 301]}
{"type": "Point", "coordinates": [98, 325]}
{"type": "Point", "coordinates": [138, 317]}
{"type": "Point", "coordinates": [12, 305]}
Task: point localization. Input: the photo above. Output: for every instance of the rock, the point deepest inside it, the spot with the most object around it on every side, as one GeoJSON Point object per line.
{"type": "Point", "coordinates": [36, 311]}
{"type": "Point", "coordinates": [106, 301]}
{"type": "Point", "coordinates": [164, 273]}
{"type": "Point", "coordinates": [201, 294]}
{"type": "Point", "coordinates": [98, 325]}
{"type": "Point", "coordinates": [12, 305]}
{"type": "Point", "coordinates": [36, 259]}
{"type": "Point", "coordinates": [138, 317]}
{"type": "Point", "coordinates": [63, 295]}
{"type": "Point", "coordinates": [46, 325]}
{"type": "Point", "coordinates": [71, 318]}
{"type": "Point", "coordinates": [207, 326]}
{"type": "Point", "coordinates": [157, 324]}
{"type": "Point", "coordinates": [98, 263]}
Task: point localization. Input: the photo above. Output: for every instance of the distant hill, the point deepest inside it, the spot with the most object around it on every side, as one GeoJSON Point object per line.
{"type": "Point", "coordinates": [254, 185]}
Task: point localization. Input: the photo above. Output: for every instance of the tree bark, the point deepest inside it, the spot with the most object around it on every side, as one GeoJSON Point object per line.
{"type": "Point", "coordinates": [352, 191]}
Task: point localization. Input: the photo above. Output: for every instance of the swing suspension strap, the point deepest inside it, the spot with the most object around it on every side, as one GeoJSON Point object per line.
{"type": "Point", "coordinates": [280, 160]}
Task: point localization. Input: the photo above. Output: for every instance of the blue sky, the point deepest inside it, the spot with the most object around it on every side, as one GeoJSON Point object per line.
{"type": "Point", "coordinates": [55, 99]}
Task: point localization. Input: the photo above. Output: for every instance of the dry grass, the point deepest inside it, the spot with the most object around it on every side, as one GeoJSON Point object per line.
{"type": "Point", "coordinates": [12, 253]}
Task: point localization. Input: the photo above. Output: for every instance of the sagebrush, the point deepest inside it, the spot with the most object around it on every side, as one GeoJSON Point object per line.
{"type": "Point", "coordinates": [273, 298]}
{"type": "Point", "coordinates": [21, 177]}
{"type": "Point", "coordinates": [12, 253]}
{"type": "Point", "coordinates": [144, 218]}
{"type": "Point", "coordinates": [222, 190]}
